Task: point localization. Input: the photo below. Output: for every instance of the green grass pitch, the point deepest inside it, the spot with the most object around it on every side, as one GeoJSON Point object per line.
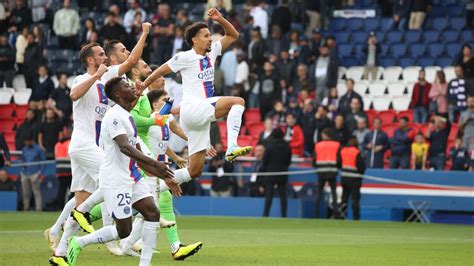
{"type": "Point", "coordinates": [250, 241]}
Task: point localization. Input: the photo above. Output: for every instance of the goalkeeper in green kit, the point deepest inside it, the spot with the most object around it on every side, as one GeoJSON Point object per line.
{"type": "Point", "coordinates": [156, 140]}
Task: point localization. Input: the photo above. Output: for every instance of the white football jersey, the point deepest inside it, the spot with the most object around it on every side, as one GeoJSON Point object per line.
{"type": "Point", "coordinates": [158, 138]}
{"type": "Point", "coordinates": [197, 72]}
{"type": "Point", "coordinates": [89, 110]}
{"type": "Point", "coordinates": [118, 170]}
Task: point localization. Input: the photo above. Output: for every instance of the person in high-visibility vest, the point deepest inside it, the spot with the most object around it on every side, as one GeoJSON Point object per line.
{"type": "Point", "coordinates": [325, 161]}
{"type": "Point", "coordinates": [352, 165]}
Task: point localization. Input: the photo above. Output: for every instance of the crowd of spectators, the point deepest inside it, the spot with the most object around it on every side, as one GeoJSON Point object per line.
{"type": "Point", "coordinates": [283, 64]}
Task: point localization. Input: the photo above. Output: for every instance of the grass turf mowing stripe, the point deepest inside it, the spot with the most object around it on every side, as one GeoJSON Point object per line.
{"type": "Point", "coordinates": [244, 241]}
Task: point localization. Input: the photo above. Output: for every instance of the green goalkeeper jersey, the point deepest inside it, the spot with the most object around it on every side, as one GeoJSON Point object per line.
{"type": "Point", "coordinates": [141, 115]}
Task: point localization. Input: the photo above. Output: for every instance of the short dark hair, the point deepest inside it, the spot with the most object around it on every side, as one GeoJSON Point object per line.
{"type": "Point", "coordinates": [183, 12]}
{"type": "Point", "coordinates": [405, 118]}
{"type": "Point", "coordinates": [327, 132]}
{"type": "Point", "coordinates": [192, 30]}
{"type": "Point", "coordinates": [420, 133]}
{"type": "Point", "coordinates": [110, 46]}
{"type": "Point", "coordinates": [60, 73]}
{"type": "Point", "coordinates": [325, 108]}
{"type": "Point", "coordinates": [351, 80]}
{"type": "Point", "coordinates": [111, 86]}
{"type": "Point", "coordinates": [277, 133]}
{"type": "Point", "coordinates": [86, 52]}
{"type": "Point", "coordinates": [29, 136]}
{"type": "Point", "coordinates": [45, 67]}
{"type": "Point", "coordinates": [352, 141]}
{"type": "Point", "coordinates": [154, 95]}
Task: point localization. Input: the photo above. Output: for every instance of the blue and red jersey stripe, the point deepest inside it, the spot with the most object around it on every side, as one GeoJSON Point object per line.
{"type": "Point", "coordinates": [208, 86]}
{"type": "Point", "coordinates": [134, 173]}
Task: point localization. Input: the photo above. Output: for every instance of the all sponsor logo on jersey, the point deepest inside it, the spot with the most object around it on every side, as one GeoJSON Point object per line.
{"type": "Point", "coordinates": [100, 111]}
{"type": "Point", "coordinates": [206, 74]}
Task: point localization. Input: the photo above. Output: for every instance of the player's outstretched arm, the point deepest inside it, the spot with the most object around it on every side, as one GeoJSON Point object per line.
{"type": "Point", "coordinates": [149, 165]}
{"type": "Point", "coordinates": [176, 129]}
{"type": "Point", "coordinates": [181, 162]}
{"type": "Point", "coordinates": [137, 51]}
{"type": "Point", "coordinates": [231, 34]}
{"type": "Point", "coordinates": [161, 71]}
{"type": "Point", "coordinates": [80, 89]}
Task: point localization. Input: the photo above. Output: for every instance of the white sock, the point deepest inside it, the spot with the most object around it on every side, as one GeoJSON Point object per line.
{"type": "Point", "coordinates": [103, 235]}
{"type": "Point", "coordinates": [234, 120]}
{"type": "Point", "coordinates": [149, 236]}
{"type": "Point", "coordinates": [180, 176]}
{"type": "Point", "coordinates": [137, 229]}
{"type": "Point", "coordinates": [106, 217]}
{"type": "Point", "coordinates": [56, 228]}
{"type": "Point", "coordinates": [70, 229]}
{"type": "Point", "coordinates": [94, 199]}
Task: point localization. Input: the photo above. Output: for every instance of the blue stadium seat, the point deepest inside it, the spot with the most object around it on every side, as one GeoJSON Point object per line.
{"type": "Point", "coordinates": [449, 2]}
{"type": "Point", "coordinates": [385, 48]}
{"type": "Point", "coordinates": [338, 24]}
{"type": "Point", "coordinates": [467, 36]}
{"type": "Point", "coordinates": [450, 35]}
{"type": "Point", "coordinates": [439, 24]}
{"type": "Point", "coordinates": [444, 61]}
{"type": "Point", "coordinates": [349, 61]}
{"type": "Point", "coordinates": [387, 61]}
{"type": "Point", "coordinates": [426, 61]}
{"type": "Point", "coordinates": [437, 11]}
{"type": "Point", "coordinates": [394, 36]}
{"type": "Point", "coordinates": [398, 50]}
{"type": "Point", "coordinates": [412, 36]}
{"type": "Point", "coordinates": [359, 37]}
{"type": "Point", "coordinates": [455, 11]}
{"type": "Point", "coordinates": [326, 33]}
{"type": "Point", "coordinates": [366, 3]}
{"type": "Point", "coordinates": [453, 49]}
{"type": "Point", "coordinates": [344, 49]}
{"type": "Point", "coordinates": [457, 23]}
{"type": "Point", "coordinates": [355, 24]}
{"type": "Point", "coordinates": [417, 49]}
{"type": "Point", "coordinates": [406, 61]}
{"type": "Point", "coordinates": [371, 24]}
{"type": "Point", "coordinates": [359, 49]}
{"type": "Point", "coordinates": [435, 49]}
{"type": "Point", "coordinates": [342, 36]}
{"type": "Point", "coordinates": [380, 35]}
{"type": "Point", "coordinates": [386, 24]}
{"type": "Point", "coordinates": [430, 36]}
{"type": "Point", "coordinates": [62, 55]}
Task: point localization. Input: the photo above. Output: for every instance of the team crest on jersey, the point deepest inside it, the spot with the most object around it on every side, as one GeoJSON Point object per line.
{"type": "Point", "coordinates": [126, 210]}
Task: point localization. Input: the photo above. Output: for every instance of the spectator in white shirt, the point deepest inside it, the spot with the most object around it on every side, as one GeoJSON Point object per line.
{"type": "Point", "coordinates": [242, 73]}
{"type": "Point", "coordinates": [130, 15]}
{"type": "Point", "coordinates": [66, 26]}
{"type": "Point", "coordinates": [260, 18]}
{"type": "Point", "coordinates": [20, 46]}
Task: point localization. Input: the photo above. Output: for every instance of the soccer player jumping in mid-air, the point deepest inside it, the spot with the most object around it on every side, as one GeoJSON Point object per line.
{"type": "Point", "coordinates": [198, 107]}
